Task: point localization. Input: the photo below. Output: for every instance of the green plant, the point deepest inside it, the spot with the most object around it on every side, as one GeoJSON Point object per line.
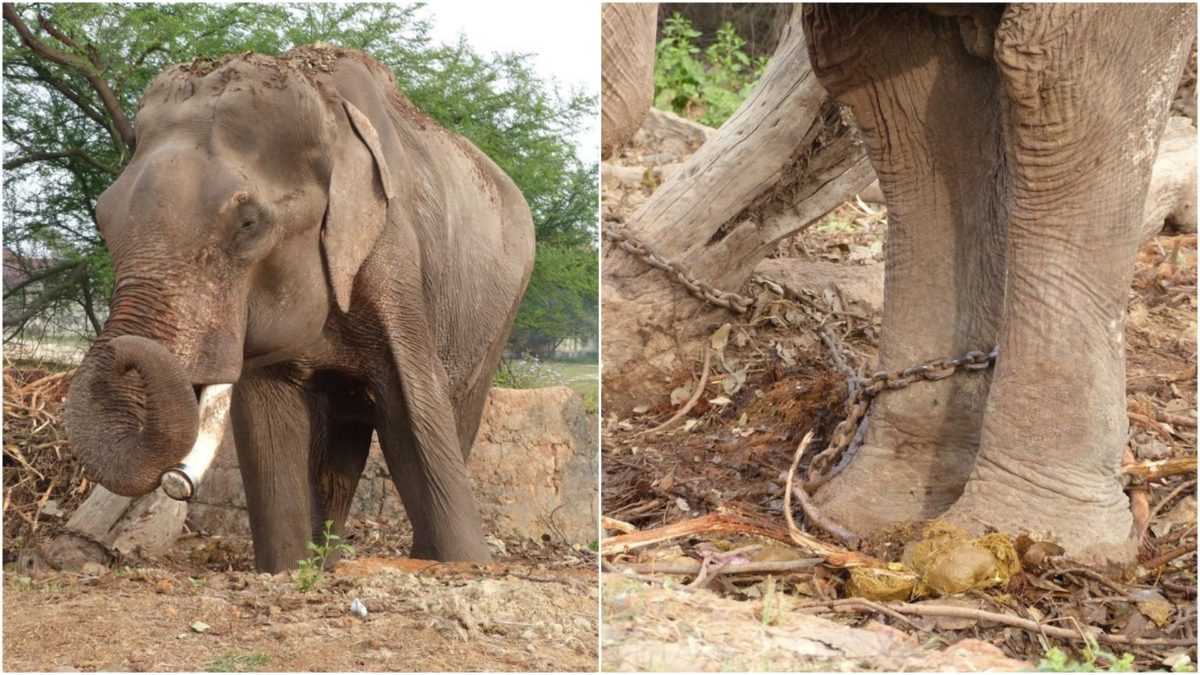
{"type": "Point", "coordinates": [708, 88]}
{"type": "Point", "coordinates": [236, 662]}
{"type": "Point", "coordinates": [312, 569]}
{"type": "Point", "coordinates": [1095, 660]}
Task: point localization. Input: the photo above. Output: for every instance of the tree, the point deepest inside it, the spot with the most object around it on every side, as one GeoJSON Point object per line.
{"type": "Point", "coordinates": [73, 74]}
{"type": "Point", "coordinates": [785, 158]}
{"type": "Point", "coordinates": [561, 302]}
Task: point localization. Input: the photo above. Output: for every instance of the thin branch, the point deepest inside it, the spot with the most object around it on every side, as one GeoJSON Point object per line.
{"type": "Point", "coordinates": [923, 609]}
{"type": "Point", "coordinates": [111, 104]}
{"type": "Point", "coordinates": [41, 275]}
{"type": "Point", "coordinates": [64, 154]}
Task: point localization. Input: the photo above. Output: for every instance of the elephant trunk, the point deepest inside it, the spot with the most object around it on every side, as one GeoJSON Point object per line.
{"type": "Point", "coordinates": [131, 414]}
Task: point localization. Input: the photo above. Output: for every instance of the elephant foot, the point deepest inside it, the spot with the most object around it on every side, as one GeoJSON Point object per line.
{"type": "Point", "coordinates": [897, 476]}
{"type": "Point", "coordinates": [1093, 528]}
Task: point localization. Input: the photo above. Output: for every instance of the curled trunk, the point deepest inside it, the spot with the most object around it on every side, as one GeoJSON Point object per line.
{"type": "Point", "coordinates": [131, 413]}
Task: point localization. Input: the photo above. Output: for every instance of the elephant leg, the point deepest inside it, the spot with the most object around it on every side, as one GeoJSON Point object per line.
{"type": "Point", "coordinates": [338, 461]}
{"type": "Point", "coordinates": [434, 486]}
{"type": "Point", "coordinates": [274, 428]}
{"type": "Point", "coordinates": [925, 105]}
{"type": "Point", "coordinates": [1087, 98]}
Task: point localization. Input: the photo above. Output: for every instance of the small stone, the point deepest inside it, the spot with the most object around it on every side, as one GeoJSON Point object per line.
{"type": "Point", "coordinates": [200, 627]}
{"type": "Point", "coordinates": [94, 569]}
{"type": "Point", "coordinates": [164, 586]}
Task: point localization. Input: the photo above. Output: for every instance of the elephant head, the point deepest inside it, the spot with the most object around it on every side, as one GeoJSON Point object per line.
{"type": "Point", "coordinates": [256, 192]}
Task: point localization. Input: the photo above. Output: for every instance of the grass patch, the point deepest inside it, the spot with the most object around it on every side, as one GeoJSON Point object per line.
{"type": "Point", "coordinates": [238, 662]}
{"type": "Point", "coordinates": [531, 373]}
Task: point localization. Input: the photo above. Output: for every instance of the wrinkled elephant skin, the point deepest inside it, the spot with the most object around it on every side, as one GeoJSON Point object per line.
{"type": "Point", "coordinates": [1013, 145]}
{"type": "Point", "coordinates": [295, 228]}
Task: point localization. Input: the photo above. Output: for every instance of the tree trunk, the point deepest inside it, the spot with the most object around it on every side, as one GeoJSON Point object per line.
{"type": "Point", "coordinates": [784, 159]}
{"type": "Point", "coordinates": [107, 524]}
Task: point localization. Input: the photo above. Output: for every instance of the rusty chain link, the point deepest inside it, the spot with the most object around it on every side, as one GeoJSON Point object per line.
{"type": "Point", "coordinates": [628, 242]}
{"type": "Point", "coordinates": [861, 390]}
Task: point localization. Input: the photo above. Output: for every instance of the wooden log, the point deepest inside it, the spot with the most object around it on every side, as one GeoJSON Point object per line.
{"type": "Point", "coordinates": [784, 159]}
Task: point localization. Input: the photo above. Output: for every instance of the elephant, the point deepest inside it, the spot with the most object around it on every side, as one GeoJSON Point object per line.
{"type": "Point", "coordinates": [294, 228]}
{"type": "Point", "coordinates": [1013, 145]}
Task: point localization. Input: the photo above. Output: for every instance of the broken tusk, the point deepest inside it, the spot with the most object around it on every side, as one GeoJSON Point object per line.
{"type": "Point", "coordinates": [180, 481]}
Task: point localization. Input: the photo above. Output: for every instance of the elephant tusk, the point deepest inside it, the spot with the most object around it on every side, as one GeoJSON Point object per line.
{"type": "Point", "coordinates": [180, 481]}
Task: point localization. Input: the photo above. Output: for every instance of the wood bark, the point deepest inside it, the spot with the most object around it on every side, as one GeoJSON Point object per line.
{"type": "Point", "coordinates": [107, 525]}
{"type": "Point", "coordinates": [627, 71]}
{"type": "Point", "coordinates": [785, 158]}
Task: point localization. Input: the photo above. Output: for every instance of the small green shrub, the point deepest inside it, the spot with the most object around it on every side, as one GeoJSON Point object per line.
{"type": "Point", "coordinates": [707, 88]}
{"type": "Point", "coordinates": [1095, 660]}
{"type": "Point", "coordinates": [312, 569]}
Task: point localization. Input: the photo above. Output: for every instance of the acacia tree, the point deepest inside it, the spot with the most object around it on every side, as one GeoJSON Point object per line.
{"type": "Point", "coordinates": [73, 74]}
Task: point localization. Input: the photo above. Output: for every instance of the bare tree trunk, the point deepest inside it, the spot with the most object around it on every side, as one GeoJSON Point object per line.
{"type": "Point", "coordinates": [784, 159]}
{"type": "Point", "coordinates": [627, 70]}
{"type": "Point", "coordinates": [107, 524]}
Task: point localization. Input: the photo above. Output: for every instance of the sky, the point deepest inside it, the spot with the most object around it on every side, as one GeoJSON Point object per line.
{"type": "Point", "coordinates": [562, 38]}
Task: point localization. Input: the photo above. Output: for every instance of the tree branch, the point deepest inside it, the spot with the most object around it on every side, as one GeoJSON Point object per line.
{"type": "Point", "coordinates": [48, 297]}
{"type": "Point", "coordinates": [35, 277]}
{"type": "Point", "coordinates": [47, 156]}
{"type": "Point", "coordinates": [88, 70]}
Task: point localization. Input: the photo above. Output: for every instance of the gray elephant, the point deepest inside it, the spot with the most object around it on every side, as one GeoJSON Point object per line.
{"type": "Point", "coordinates": [295, 228]}
{"type": "Point", "coordinates": [1013, 145]}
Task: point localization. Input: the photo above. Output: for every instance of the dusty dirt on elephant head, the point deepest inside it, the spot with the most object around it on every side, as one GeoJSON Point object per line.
{"type": "Point", "coordinates": [772, 382]}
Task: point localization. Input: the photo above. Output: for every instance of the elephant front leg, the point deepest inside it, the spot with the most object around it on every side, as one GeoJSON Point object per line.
{"type": "Point", "coordinates": [925, 105]}
{"type": "Point", "coordinates": [274, 429]}
{"type": "Point", "coordinates": [1087, 101]}
{"type": "Point", "coordinates": [430, 472]}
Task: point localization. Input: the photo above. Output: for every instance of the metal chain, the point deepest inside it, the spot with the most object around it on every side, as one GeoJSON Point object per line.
{"type": "Point", "coordinates": [628, 242]}
{"type": "Point", "coordinates": [862, 390]}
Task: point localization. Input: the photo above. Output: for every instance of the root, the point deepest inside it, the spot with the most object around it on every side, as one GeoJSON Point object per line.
{"type": "Point", "coordinates": [848, 538]}
{"type": "Point", "coordinates": [691, 403]}
{"type": "Point", "coordinates": [923, 609]}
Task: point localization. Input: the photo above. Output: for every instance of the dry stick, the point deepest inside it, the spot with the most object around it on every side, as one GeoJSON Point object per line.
{"type": "Point", "coordinates": [815, 517]}
{"type": "Point", "coordinates": [1177, 420]}
{"type": "Point", "coordinates": [1171, 495]}
{"type": "Point", "coordinates": [690, 568]}
{"type": "Point", "coordinates": [1161, 468]}
{"type": "Point", "coordinates": [711, 523]}
{"type": "Point", "coordinates": [1168, 557]}
{"type": "Point", "coordinates": [1009, 620]}
{"type": "Point", "coordinates": [618, 525]}
{"type": "Point", "coordinates": [861, 603]}
{"type": "Point", "coordinates": [1151, 424]}
{"type": "Point", "coordinates": [691, 403]}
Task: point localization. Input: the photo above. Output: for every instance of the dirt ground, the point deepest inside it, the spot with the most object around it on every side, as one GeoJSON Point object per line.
{"type": "Point", "coordinates": [771, 381]}
{"type": "Point", "coordinates": [203, 608]}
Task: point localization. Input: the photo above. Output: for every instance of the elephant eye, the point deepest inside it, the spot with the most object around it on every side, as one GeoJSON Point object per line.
{"type": "Point", "coordinates": [248, 224]}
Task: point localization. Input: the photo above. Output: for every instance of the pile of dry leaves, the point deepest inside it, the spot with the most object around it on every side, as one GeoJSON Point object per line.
{"type": "Point", "coordinates": [42, 481]}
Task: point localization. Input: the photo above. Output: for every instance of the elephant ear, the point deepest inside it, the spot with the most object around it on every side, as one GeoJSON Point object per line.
{"type": "Point", "coordinates": [360, 189]}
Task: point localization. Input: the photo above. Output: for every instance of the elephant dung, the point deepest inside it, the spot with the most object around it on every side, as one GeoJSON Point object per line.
{"type": "Point", "coordinates": [946, 561]}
